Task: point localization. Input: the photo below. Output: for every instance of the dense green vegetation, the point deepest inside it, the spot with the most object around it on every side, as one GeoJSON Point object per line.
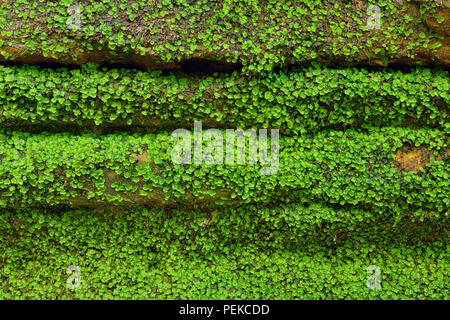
{"type": "Point", "coordinates": [296, 101]}
{"type": "Point", "coordinates": [146, 254]}
{"type": "Point", "coordinates": [88, 179]}
{"type": "Point", "coordinates": [333, 166]}
{"type": "Point", "coordinates": [257, 34]}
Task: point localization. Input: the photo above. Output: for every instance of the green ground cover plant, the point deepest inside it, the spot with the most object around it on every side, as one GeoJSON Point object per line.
{"type": "Point", "coordinates": [343, 167]}
{"type": "Point", "coordinates": [94, 206]}
{"type": "Point", "coordinates": [163, 254]}
{"type": "Point", "coordinates": [295, 101]}
{"type": "Point", "coordinates": [256, 34]}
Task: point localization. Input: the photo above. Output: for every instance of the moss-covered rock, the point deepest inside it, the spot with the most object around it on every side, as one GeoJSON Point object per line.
{"type": "Point", "coordinates": [140, 253]}
{"type": "Point", "coordinates": [257, 34]}
{"type": "Point", "coordinates": [350, 167]}
{"type": "Point", "coordinates": [295, 101]}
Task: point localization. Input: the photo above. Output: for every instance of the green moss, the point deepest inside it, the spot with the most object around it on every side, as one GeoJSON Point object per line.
{"type": "Point", "coordinates": [295, 101]}
{"type": "Point", "coordinates": [258, 34]}
{"type": "Point", "coordinates": [350, 167]}
{"type": "Point", "coordinates": [155, 254]}
{"type": "Point", "coordinates": [342, 199]}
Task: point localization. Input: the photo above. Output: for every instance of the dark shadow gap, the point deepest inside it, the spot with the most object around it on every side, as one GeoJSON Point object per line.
{"type": "Point", "coordinates": [41, 65]}
{"type": "Point", "coordinates": [192, 67]}
{"type": "Point", "coordinates": [208, 67]}
{"type": "Point", "coordinates": [404, 68]}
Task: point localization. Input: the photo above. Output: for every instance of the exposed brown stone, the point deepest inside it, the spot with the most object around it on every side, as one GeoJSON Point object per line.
{"type": "Point", "coordinates": [443, 27]}
{"type": "Point", "coordinates": [142, 158]}
{"type": "Point", "coordinates": [411, 158]}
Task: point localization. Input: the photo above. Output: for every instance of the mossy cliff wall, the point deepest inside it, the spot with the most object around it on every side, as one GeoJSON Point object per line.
{"type": "Point", "coordinates": [93, 205]}
{"type": "Point", "coordinates": [256, 34]}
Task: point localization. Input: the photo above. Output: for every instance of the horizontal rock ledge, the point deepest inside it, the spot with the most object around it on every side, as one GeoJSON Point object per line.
{"type": "Point", "coordinates": [142, 255]}
{"type": "Point", "coordinates": [260, 36]}
{"type": "Point", "coordinates": [351, 167]}
{"type": "Point", "coordinates": [296, 101]}
{"type": "Point", "coordinates": [267, 226]}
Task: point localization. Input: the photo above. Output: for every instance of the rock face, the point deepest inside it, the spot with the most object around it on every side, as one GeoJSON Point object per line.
{"type": "Point", "coordinates": [348, 168]}
{"type": "Point", "coordinates": [440, 22]}
{"type": "Point", "coordinates": [342, 171]}
{"type": "Point", "coordinates": [260, 36]}
{"type": "Point", "coordinates": [296, 101]}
